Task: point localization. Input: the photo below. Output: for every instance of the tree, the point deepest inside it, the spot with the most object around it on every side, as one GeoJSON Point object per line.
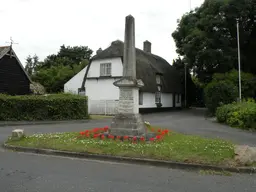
{"type": "Point", "coordinates": [248, 82]}
{"type": "Point", "coordinates": [68, 56]}
{"type": "Point", "coordinates": [54, 78]}
{"type": "Point", "coordinates": [57, 69]}
{"type": "Point", "coordinates": [206, 37]}
{"type": "Point", "coordinates": [31, 64]}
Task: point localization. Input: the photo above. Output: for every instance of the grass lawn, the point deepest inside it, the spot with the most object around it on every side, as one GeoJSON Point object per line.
{"type": "Point", "coordinates": [174, 147]}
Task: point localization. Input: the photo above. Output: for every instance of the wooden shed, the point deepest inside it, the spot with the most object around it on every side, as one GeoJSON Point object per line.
{"type": "Point", "coordinates": [13, 78]}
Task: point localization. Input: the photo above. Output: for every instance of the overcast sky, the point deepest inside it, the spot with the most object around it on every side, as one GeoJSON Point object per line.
{"type": "Point", "coordinates": [42, 26]}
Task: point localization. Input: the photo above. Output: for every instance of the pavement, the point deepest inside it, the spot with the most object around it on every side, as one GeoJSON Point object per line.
{"type": "Point", "coordinates": [20, 172]}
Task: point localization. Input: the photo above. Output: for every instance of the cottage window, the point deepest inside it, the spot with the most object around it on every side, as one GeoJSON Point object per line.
{"type": "Point", "coordinates": [140, 98]}
{"type": "Point", "coordinates": [158, 80]}
{"type": "Point", "coordinates": [105, 69]}
{"type": "Point", "coordinates": [158, 97]}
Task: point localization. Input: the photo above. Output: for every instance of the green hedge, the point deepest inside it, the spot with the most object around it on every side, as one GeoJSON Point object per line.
{"type": "Point", "coordinates": [242, 115]}
{"type": "Point", "coordinates": [219, 92]}
{"type": "Point", "coordinates": [35, 107]}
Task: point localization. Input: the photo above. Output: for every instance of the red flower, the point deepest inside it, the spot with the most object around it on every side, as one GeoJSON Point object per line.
{"type": "Point", "coordinates": [111, 137]}
{"type": "Point", "coordinates": [159, 130]}
{"type": "Point", "coordinates": [166, 131]}
{"type": "Point", "coordinates": [82, 133]}
{"type": "Point", "coordinates": [134, 138]}
{"type": "Point", "coordinates": [118, 137]}
{"type": "Point", "coordinates": [96, 135]}
{"type": "Point", "coordinates": [87, 131]}
{"type": "Point", "coordinates": [152, 139]}
{"type": "Point", "coordinates": [163, 132]}
{"type": "Point", "coordinates": [102, 137]}
{"type": "Point", "coordinates": [142, 139]}
{"type": "Point", "coordinates": [105, 128]}
{"type": "Point", "coordinates": [95, 130]}
{"type": "Point", "coordinates": [158, 137]}
{"type": "Point", "coordinates": [126, 137]}
{"type": "Point", "coordinates": [87, 135]}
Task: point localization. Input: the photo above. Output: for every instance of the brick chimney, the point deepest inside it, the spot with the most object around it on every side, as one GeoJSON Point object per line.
{"type": "Point", "coordinates": [147, 46]}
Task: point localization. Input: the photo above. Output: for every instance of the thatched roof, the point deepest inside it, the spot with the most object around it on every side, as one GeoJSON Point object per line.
{"type": "Point", "coordinates": [147, 65]}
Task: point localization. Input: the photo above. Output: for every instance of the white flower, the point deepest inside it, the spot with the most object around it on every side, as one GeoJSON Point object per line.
{"type": "Point", "coordinates": [147, 123]}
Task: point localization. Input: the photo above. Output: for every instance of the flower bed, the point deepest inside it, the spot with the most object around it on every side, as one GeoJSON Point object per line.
{"type": "Point", "coordinates": [103, 133]}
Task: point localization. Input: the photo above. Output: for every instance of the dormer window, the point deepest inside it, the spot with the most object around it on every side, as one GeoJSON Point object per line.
{"type": "Point", "coordinates": [158, 79]}
{"type": "Point", "coordinates": [105, 69]}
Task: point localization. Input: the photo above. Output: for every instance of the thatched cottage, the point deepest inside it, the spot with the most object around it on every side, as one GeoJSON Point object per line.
{"type": "Point", "coordinates": [162, 83]}
{"type": "Point", "coordinates": [13, 78]}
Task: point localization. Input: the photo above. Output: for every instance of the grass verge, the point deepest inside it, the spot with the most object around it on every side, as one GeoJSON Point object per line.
{"type": "Point", "coordinates": [174, 147]}
{"type": "Point", "coordinates": [98, 117]}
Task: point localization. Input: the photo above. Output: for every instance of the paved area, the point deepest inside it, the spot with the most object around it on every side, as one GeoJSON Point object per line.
{"type": "Point", "coordinates": [28, 172]}
{"type": "Point", "coordinates": [20, 172]}
{"type": "Point", "coordinates": [189, 122]}
{"type": "Point", "coordinates": [194, 122]}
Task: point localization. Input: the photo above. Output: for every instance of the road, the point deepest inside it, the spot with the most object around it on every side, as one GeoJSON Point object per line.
{"type": "Point", "coordinates": [20, 172]}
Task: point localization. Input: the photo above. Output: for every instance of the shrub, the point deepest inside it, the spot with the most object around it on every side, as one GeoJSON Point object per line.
{"type": "Point", "coordinates": [217, 93]}
{"type": "Point", "coordinates": [242, 115]}
{"type": "Point", "coordinates": [248, 81]}
{"type": "Point", "coordinates": [43, 107]}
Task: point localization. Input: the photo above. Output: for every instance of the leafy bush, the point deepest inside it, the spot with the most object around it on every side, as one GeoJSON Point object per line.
{"type": "Point", "coordinates": [248, 81]}
{"type": "Point", "coordinates": [219, 92]}
{"type": "Point", "coordinates": [43, 107]}
{"type": "Point", "coordinates": [242, 115]}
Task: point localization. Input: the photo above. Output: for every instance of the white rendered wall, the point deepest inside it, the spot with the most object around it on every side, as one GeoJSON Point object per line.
{"type": "Point", "coordinates": [149, 100]}
{"type": "Point", "coordinates": [95, 86]}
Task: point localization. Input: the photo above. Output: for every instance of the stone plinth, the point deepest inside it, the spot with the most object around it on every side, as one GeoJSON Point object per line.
{"type": "Point", "coordinates": [128, 124]}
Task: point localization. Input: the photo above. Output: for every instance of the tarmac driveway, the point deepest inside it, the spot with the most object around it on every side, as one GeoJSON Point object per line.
{"type": "Point", "coordinates": [190, 121]}
{"type": "Point", "coordinates": [193, 121]}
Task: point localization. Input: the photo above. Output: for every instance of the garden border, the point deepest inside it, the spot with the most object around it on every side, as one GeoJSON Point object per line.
{"type": "Point", "coordinates": [159, 163]}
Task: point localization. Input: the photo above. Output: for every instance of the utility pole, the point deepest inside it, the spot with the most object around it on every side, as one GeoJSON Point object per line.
{"type": "Point", "coordinates": [239, 60]}
{"type": "Point", "coordinates": [185, 66]}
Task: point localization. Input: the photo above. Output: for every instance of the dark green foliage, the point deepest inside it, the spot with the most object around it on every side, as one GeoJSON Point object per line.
{"type": "Point", "coordinates": [51, 107]}
{"type": "Point", "coordinates": [206, 37]}
{"type": "Point", "coordinates": [248, 81]}
{"type": "Point", "coordinates": [58, 68]}
{"type": "Point", "coordinates": [219, 92]}
{"type": "Point", "coordinates": [242, 115]}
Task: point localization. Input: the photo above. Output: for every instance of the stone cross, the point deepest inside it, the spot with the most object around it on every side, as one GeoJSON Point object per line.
{"type": "Point", "coordinates": [128, 121]}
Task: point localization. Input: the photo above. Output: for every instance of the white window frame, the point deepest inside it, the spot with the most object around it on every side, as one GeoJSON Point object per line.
{"type": "Point", "coordinates": [105, 69]}
{"type": "Point", "coordinates": [158, 97]}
